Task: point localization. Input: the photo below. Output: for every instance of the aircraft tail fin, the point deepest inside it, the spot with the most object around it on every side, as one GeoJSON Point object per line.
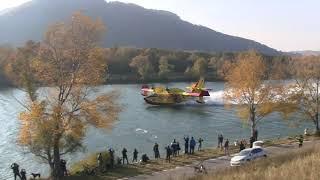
{"type": "Point", "coordinates": [198, 85]}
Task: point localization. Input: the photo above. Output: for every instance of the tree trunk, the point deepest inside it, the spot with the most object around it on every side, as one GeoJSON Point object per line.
{"type": "Point", "coordinates": [57, 174]}
{"type": "Point", "coordinates": [50, 163]}
{"type": "Point", "coordinates": [51, 168]}
{"type": "Point", "coordinates": [316, 122]}
{"type": "Point", "coordinates": [253, 124]}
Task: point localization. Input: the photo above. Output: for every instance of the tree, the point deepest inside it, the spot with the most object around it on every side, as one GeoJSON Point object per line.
{"type": "Point", "coordinates": [19, 68]}
{"type": "Point", "coordinates": [247, 87]}
{"type": "Point", "coordinates": [164, 67]}
{"type": "Point", "coordinates": [142, 64]}
{"type": "Point", "coordinates": [193, 57]}
{"type": "Point", "coordinates": [70, 61]}
{"type": "Point", "coordinates": [213, 64]}
{"type": "Point", "coordinates": [6, 54]}
{"type": "Point", "coordinates": [305, 90]}
{"type": "Point", "coordinates": [199, 67]}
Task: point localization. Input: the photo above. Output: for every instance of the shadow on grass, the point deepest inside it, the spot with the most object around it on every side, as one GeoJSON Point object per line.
{"type": "Point", "coordinates": [116, 173]}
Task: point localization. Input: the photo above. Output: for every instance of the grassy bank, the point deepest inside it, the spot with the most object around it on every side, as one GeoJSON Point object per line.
{"type": "Point", "coordinates": [153, 166]}
{"type": "Point", "coordinates": [299, 165]}
{"type": "Point", "coordinates": [161, 164]}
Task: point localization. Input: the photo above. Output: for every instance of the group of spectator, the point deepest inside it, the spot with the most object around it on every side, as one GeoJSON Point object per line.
{"type": "Point", "coordinates": [111, 161]}
{"type": "Point", "coordinates": [173, 149]}
{"type": "Point", "coordinates": [23, 173]}
{"type": "Point", "coordinates": [224, 146]}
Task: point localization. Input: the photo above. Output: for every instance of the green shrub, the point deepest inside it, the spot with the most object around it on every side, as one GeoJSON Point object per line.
{"type": "Point", "coordinates": [89, 162]}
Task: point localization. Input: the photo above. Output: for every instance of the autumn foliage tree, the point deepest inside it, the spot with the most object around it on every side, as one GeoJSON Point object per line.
{"type": "Point", "coordinates": [246, 86]}
{"type": "Point", "coordinates": [164, 67]}
{"type": "Point", "coordinates": [199, 67]}
{"type": "Point", "coordinates": [305, 89]}
{"type": "Point", "coordinates": [19, 68]}
{"type": "Point", "coordinates": [143, 65]}
{"type": "Point", "coordinates": [6, 55]}
{"type": "Point", "coordinates": [69, 61]}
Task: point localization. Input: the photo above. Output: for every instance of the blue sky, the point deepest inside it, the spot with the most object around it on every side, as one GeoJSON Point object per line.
{"type": "Point", "coordinates": [286, 25]}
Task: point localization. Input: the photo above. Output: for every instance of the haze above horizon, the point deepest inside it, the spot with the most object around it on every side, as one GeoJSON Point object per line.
{"type": "Point", "coordinates": [287, 25]}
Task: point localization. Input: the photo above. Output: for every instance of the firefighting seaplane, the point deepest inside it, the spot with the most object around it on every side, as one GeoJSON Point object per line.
{"type": "Point", "coordinates": [166, 96]}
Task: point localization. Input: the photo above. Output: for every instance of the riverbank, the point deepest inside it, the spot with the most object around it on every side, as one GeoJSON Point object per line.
{"type": "Point", "coordinates": [161, 168]}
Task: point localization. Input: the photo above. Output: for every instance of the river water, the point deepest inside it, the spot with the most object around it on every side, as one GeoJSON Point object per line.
{"type": "Point", "coordinates": [141, 125]}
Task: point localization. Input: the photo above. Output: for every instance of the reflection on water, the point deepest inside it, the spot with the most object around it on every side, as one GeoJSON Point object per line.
{"type": "Point", "coordinates": [140, 126]}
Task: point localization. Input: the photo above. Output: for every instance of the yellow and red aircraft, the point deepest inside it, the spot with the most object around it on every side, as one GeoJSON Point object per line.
{"type": "Point", "coordinates": [166, 96]}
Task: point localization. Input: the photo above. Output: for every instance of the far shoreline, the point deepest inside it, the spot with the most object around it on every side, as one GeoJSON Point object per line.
{"type": "Point", "coordinates": [129, 82]}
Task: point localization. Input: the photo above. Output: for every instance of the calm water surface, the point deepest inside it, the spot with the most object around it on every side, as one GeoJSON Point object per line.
{"type": "Point", "coordinates": [140, 126]}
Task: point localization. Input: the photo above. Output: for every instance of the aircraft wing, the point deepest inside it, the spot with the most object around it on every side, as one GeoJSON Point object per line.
{"type": "Point", "coordinates": [147, 90]}
{"type": "Point", "coordinates": [191, 94]}
{"type": "Point", "coordinates": [205, 89]}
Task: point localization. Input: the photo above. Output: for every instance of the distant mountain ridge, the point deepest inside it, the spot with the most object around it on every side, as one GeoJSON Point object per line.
{"type": "Point", "coordinates": [304, 53]}
{"type": "Point", "coordinates": [127, 24]}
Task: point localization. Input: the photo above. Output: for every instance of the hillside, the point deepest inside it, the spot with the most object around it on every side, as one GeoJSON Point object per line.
{"type": "Point", "coordinates": [128, 25]}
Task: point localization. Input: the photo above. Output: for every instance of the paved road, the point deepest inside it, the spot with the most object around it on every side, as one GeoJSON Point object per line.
{"type": "Point", "coordinates": [215, 164]}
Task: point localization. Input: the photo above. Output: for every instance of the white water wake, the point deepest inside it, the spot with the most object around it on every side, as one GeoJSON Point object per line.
{"type": "Point", "coordinates": [215, 98]}
{"type": "Point", "coordinates": [141, 131]}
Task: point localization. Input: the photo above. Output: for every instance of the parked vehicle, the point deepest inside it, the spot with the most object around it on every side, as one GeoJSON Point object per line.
{"type": "Point", "coordinates": [247, 155]}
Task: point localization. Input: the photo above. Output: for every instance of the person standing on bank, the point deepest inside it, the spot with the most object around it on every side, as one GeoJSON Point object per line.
{"type": "Point", "coordinates": [174, 148]}
{"type": "Point", "coordinates": [23, 174]}
{"type": "Point", "coordinates": [241, 146]}
{"type": "Point", "coordinates": [156, 151]}
{"type": "Point", "coordinates": [169, 152]}
{"type": "Point", "coordinates": [135, 155]}
{"type": "Point", "coordinates": [111, 155]}
{"type": "Point", "coordinates": [220, 141]}
{"type": "Point", "coordinates": [200, 144]}
{"type": "Point", "coordinates": [100, 162]}
{"type": "Point", "coordinates": [178, 148]}
{"type": "Point", "coordinates": [186, 145]}
{"type": "Point", "coordinates": [192, 145]}
{"type": "Point", "coordinates": [251, 141]}
{"type": "Point", "coordinates": [300, 140]}
{"type": "Point", "coordinates": [15, 169]}
{"type": "Point", "coordinates": [124, 155]}
{"type": "Point", "coordinates": [226, 148]}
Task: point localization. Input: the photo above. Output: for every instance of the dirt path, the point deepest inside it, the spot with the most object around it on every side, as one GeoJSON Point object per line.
{"type": "Point", "coordinates": [216, 164]}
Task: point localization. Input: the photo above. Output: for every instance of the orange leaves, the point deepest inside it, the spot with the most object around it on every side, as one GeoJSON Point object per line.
{"type": "Point", "coordinates": [143, 65]}
{"type": "Point", "coordinates": [95, 68]}
{"type": "Point", "coordinates": [247, 87]}
{"type": "Point", "coordinates": [70, 61]}
{"type": "Point", "coordinates": [248, 71]}
{"type": "Point", "coordinates": [85, 29]}
{"type": "Point", "coordinates": [70, 54]}
{"type": "Point", "coordinates": [245, 77]}
{"type": "Point", "coordinates": [102, 111]}
{"type": "Point", "coordinates": [30, 123]}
